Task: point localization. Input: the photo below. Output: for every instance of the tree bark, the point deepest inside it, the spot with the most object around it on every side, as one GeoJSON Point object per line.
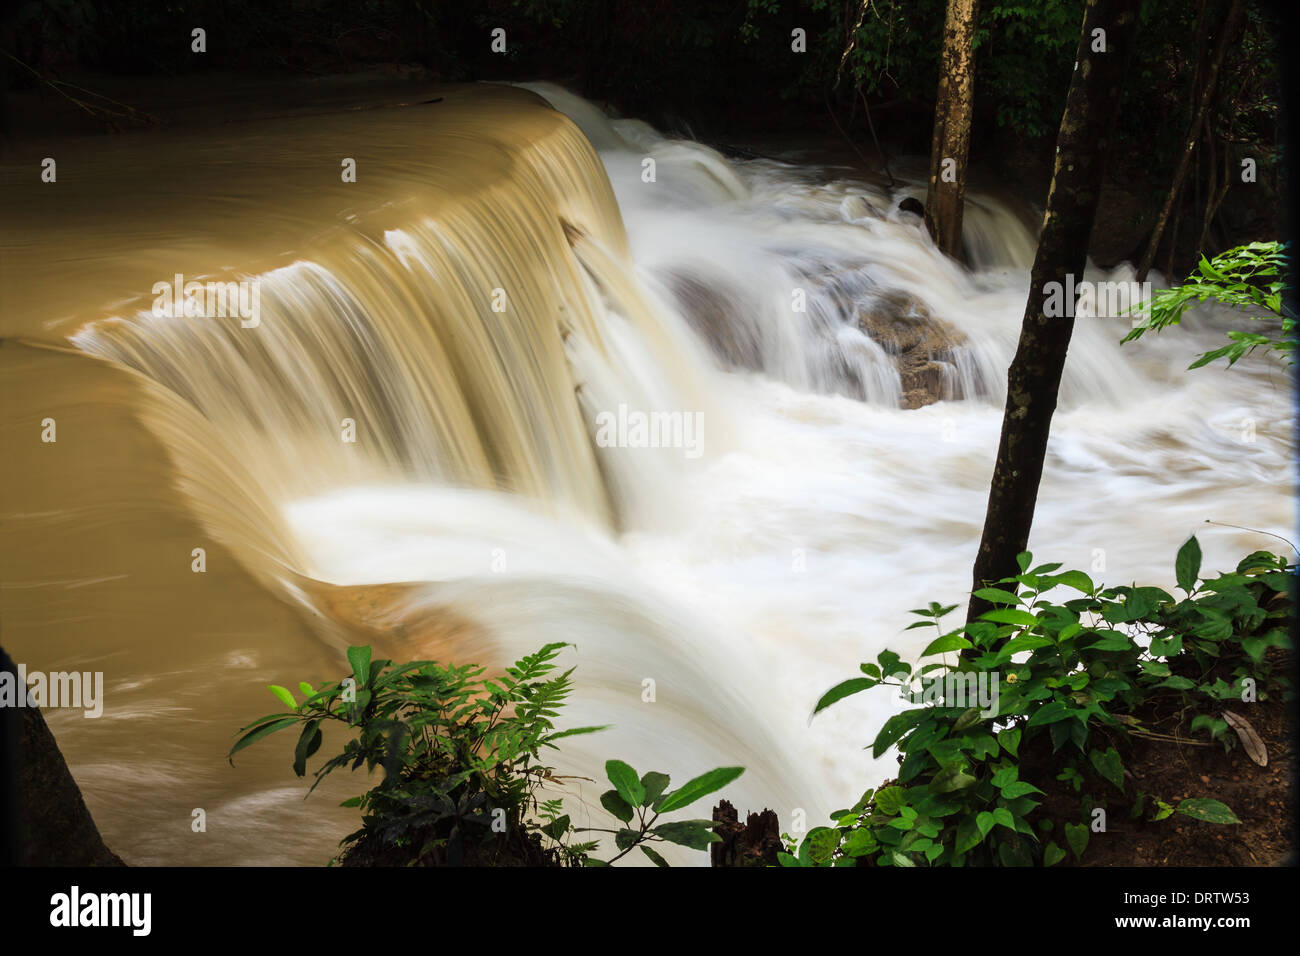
{"type": "Point", "coordinates": [1035, 373]}
{"type": "Point", "coordinates": [952, 121]}
{"type": "Point", "coordinates": [1231, 21]}
{"type": "Point", "coordinates": [756, 842]}
{"type": "Point", "coordinates": [45, 821]}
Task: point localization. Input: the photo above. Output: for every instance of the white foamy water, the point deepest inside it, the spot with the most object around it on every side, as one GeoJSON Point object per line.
{"type": "Point", "coordinates": [746, 585]}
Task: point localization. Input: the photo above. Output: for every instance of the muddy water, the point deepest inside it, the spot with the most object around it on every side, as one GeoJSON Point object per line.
{"type": "Point", "coordinates": [475, 515]}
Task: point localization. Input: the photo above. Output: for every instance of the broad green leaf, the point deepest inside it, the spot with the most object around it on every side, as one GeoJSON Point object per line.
{"type": "Point", "coordinates": [1049, 713]}
{"type": "Point", "coordinates": [1187, 566]}
{"type": "Point", "coordinates": [694, 789]}
{"type": "Point", "coordinates": [1010, 615]}
{"type": "Point", "coordinates": [1108, 763]}
{"type": "Point", "coordinates": [615, 804]}
{"type": "Point", "coordinates": [1207, 810]}
{"type": "Point", "coordinates": [945, 644]}
{"type": "Point", "coordinates": [1076, 834]}
{"type": "Point", "coordinates": [284, 695]}
{"type": "Point", "coordinates": [655, 784]}
{"type": "Point", "coordinates": [1077, 580]}
{"type": "Point", "coordinates": [844, 689]}
{"type": "Point", "coordinates": [1009, 738]}
{"type": "Point", "coordinates": [359, 658]}
{"type": "Point", "coordinates": [689, 833]}
{"type": "Point", "coordinates": [625, 781]}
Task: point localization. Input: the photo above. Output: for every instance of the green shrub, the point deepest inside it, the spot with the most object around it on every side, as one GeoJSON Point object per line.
{"type": "Point", "coordinates": [1069, 674]}
{"type": "Point", "coordinates": [461, 755]}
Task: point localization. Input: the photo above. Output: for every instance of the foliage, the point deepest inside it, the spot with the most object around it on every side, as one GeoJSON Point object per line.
{"type": "Point", "coordinates": [1247, 277]}
{"type": "Point", "coordinates": [646, 798]}
{"type": "Point", "coordinates": [461, 755]}
{"type": "Point", "coordinates": [1065, 679]}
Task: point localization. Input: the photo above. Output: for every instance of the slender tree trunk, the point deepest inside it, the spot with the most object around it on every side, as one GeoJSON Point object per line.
{"type": "Point", "coordinates": [1035, 373]}
{"type": "Point", "coordinates": [952, 120]}
{"type": "Point", "coordinates": [1227, 31]}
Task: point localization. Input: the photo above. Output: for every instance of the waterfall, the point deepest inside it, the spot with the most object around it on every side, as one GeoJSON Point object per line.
{"type": "Point", "coordinates": [406, 448]}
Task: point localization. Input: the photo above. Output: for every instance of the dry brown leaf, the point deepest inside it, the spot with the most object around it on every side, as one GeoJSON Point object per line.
{"type": "Point", "coordinates": [1255, 748]}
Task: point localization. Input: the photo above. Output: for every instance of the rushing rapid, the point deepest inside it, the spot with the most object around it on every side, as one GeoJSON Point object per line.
{"type": "Point", "coordinates": [510, 286]}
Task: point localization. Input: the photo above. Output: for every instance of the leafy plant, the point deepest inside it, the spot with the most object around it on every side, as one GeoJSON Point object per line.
{"type": "Point", "coordinates": [645, 798]}
{"type": "Point", "coordinates": [1049, 687]}
{"type": "Point", "coordinates": [1247, 277]}
{"type": "Point", "coordinates": [461, 755]}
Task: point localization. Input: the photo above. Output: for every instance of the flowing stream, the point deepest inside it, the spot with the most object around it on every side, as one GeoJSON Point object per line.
{"type": "Point", "coordinates": [496, 285]}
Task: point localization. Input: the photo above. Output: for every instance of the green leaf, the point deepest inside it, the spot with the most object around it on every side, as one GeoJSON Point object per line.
{"type": "Point", "coordinates": [359, 658]}
{"type": "Point", "coordinates": [691, 833]}
{"type": "Point", "coordinates": [308, 743]}
{"type": "Point", "coordinates": [658, 860]}
{"type": "Point", "coordinates": [615, 804]}
{"type": "Point", "coordinates": [1049, 713]}
{"type": "Point", "coordinates": [950, 779]}
{"type": "Point", "coordinates": [556, 828]}
{"type": "Point", "coordinates": [949, 642]}
{"type": "Point", "coordinates": [284, 695]}
{"type": "Point", "coordinates": [1010, 615]}
{"type": "Point", "coordinates": [1009, 738]}
{"type": "Point", "coordinates": [844, 689]}
{"type": "Point", "coordinates": [996, 596]}
{"type": "Point", "coordinates": [1077, 580]}
{"type": "Point", "coordinates": [253, 736]}
{"type": "Point", "coordinates": [626, 839]}
{"type": "Point", "coordinates": [1187, 566]}
{"type": "Point", "coordinates": [1207, 810]}
{"type": "Point", "coordinates": [694, 789]}
{"type": "Point", "coordinates": [1076, 834]}
{"type": "Point", "coordinates": [889, 800]}
{"type": "Point", "coordinates": [1019, 788]}
{"type": "Point", "coordinates": [896, 727]}
{"type": "Point", "coordinates": [968, 835]}
{"type": "Point", "coordinates": [625, 781]}
{"type": "Point", "coordinates": [655, 784]}
{"type": "Point", "coordinates": [1112, 641]}
{"type": "Point", "coordinates": [1109, 765]}
{"type": "Point", "coordinates": [1052, 854]}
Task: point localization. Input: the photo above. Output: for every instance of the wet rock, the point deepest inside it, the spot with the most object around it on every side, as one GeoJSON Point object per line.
{"type": "Point", "coordinates": [712, 313]}
{"type": "Point", "coordinates": [923, 347]}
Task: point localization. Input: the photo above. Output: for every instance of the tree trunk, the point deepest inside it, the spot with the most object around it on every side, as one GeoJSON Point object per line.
{"type": "Point", "coordinates": [952, 120]}
{"type": "Point", "coordinates": [756, 842]}
{"type": "Point", "coordinates": [1226, 32]}
{"type": "Point", "coordinates": [1035, 373]}
{"type": "Point", "coordinates": [45, 821]}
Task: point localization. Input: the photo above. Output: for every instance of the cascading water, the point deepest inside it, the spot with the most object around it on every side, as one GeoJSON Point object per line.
{"type": "Point", "coordinates": [494, 297]}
